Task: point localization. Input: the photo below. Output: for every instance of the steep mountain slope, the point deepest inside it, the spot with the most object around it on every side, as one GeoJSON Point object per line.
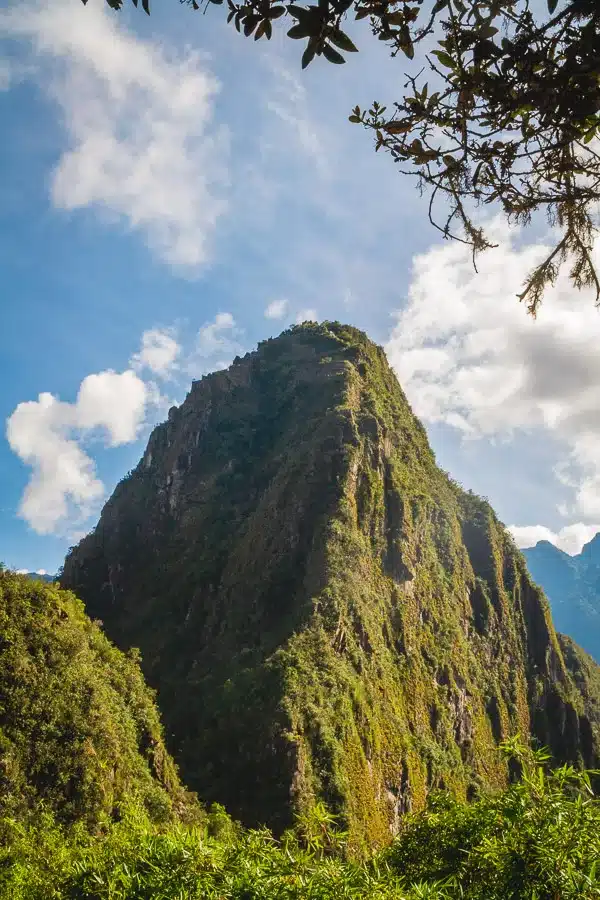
{"type": "Point", "coordinates": [572, 584]}
{"type": "Point", "coordinates": [322, 610]}
{"type": "Point", "coordinates": [79, 732]}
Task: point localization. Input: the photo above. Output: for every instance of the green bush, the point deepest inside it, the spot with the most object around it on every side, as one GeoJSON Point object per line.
{"type": "Point", "coordinates": [537, 840]}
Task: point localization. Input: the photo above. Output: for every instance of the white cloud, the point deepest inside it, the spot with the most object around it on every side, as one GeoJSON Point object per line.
{"type": "Point", "coordinates": [216, 345]}
{"type": "Point", "coordinates": [138, 121]}
{"type": "Point", "coordinates": [63, 477]}
{"type": "Point", "coordinates": [159, 352]}
{"type": "Point", "coordinates": [113, 401]}
{"type": "Point", "coordinates": [46, 435]}
{"type": "Point", "coordinates": [468, 355]}
{"type": "Point", "coordinates": [289, 104]}
{"type": "Point", "coordinates": [571, 538]}
{"type": "Point", "coordinates": [276, 310]}
{"type": "Point", "coordinates": [6, 75]}
{"type": "Point", "coordinates": [306, 315]}
{"type": "Point", "coordinates": [52, 437]}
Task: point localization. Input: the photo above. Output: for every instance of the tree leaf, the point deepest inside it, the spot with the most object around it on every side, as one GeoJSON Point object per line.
{"type": "Point", "coordinates": [395, 18]}
{"type": "Point", "coordinates": [337, 37]}
{"type": "Point", "coordinates": [309, 53]}
{"type": "Point", "coordinates": [425, 157]}
{"type": "Point", "coordinates": [250, 24]}
{"type": "Point", "coordinates": [397, 128]}
{"type": "Point", "coordinates": [332, 55]}
{"type": "Point", "coordinates": [354, 119]}
{"type": "Point", "coordinates": [552, 4]}
{"type": "Point", "coordinates": [146, 6]}
{"type": "Point", "coordinates": [276, 11]}
{"type": "Point", "coordinates": [300, 12]}
{"type": "Point", "coordinates": [445, 60]}
{"type": "Point", "coordinates": [301, 30]}
{"type": "Point", "coordinates": [406, 43]}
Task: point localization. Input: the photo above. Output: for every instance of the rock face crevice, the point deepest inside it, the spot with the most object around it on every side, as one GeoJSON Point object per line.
{"type": "Point", "coordinates": [322, 611]}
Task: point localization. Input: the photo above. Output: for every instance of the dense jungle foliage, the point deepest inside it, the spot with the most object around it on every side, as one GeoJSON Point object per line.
{"type": "Point", "coordinates": [79, 731]}
{"type": "Point", "coordinates": [537, 840]}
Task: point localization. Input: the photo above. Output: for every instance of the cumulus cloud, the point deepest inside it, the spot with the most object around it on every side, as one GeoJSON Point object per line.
{"type": "Point", "coordinates": [306, 315]}
{"type": "Point", "coordinates": [47, 434]}
{"type": "Point", "coordinates": [63, 476]}
{"type": "Point", "coordinates": [571, 538]}
{"type": "Point", "coordinates": [159, 352]}
{"type": "Point", "coordinates": [276, 310]}
{"type": "Point", "coordinates": [469, 356]}
{"type": "Point", "coordinates": [217, 342]}
{"type": "Point", "coordinates": [138, 123]}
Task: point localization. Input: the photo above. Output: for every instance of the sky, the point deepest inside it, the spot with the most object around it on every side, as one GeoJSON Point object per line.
{"type": "Point", "coordinates": [171, 193]}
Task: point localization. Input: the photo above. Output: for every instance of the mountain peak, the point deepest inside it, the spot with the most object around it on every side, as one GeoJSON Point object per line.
{"type": "Point", "coordinates": [591, 550]}
{"type": "Point", "coordinates": [548, 547]}
{"type": "Point", "coordinates": [322, 611]}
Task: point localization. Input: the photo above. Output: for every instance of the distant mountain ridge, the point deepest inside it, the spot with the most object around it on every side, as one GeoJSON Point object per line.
{"type": "Point", "coordinates": [39, 576]}
{"type": "Point", "coordinates": [572, 584]}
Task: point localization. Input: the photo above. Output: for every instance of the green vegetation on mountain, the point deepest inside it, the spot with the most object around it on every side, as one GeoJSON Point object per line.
{"type": "Point", "coordinates": [325, 615]}
{"type": "Point", "coordinates": [80, 736]}
{"type": "Point", "coordinates": [539, 839]}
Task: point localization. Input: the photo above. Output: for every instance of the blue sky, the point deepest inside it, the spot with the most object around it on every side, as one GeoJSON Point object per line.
{"type": "Point", "coordinates": [171, 193]}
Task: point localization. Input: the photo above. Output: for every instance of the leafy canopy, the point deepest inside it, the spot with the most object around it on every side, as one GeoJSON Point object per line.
{"type": "Point", "coordinates": [504, 110]}
{"type": "Point", "coordinates": [79, 731]}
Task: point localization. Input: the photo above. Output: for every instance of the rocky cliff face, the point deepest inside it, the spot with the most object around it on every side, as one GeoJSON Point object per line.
{"type": "Point", "coordinates": [572, 584]}
{"type": "Point", "coordinates": [323, 612]}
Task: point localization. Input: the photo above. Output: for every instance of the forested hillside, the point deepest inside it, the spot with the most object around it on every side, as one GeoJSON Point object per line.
{"type": "Point", "coordinates": [80, 736]}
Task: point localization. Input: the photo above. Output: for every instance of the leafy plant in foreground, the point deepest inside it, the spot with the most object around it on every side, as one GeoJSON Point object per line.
{"type": "Point", "coordinates": [537, 840]}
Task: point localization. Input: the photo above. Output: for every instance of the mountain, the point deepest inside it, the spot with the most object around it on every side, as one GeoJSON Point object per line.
{"type": "Point", "coordinates": [79, 732]}
{"type": "Point", "coordinates": [323, 611]}
{"type": "Point", "coordinates": [572, 584]}
{"type": "Point", "coordinates": [36, 576]}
